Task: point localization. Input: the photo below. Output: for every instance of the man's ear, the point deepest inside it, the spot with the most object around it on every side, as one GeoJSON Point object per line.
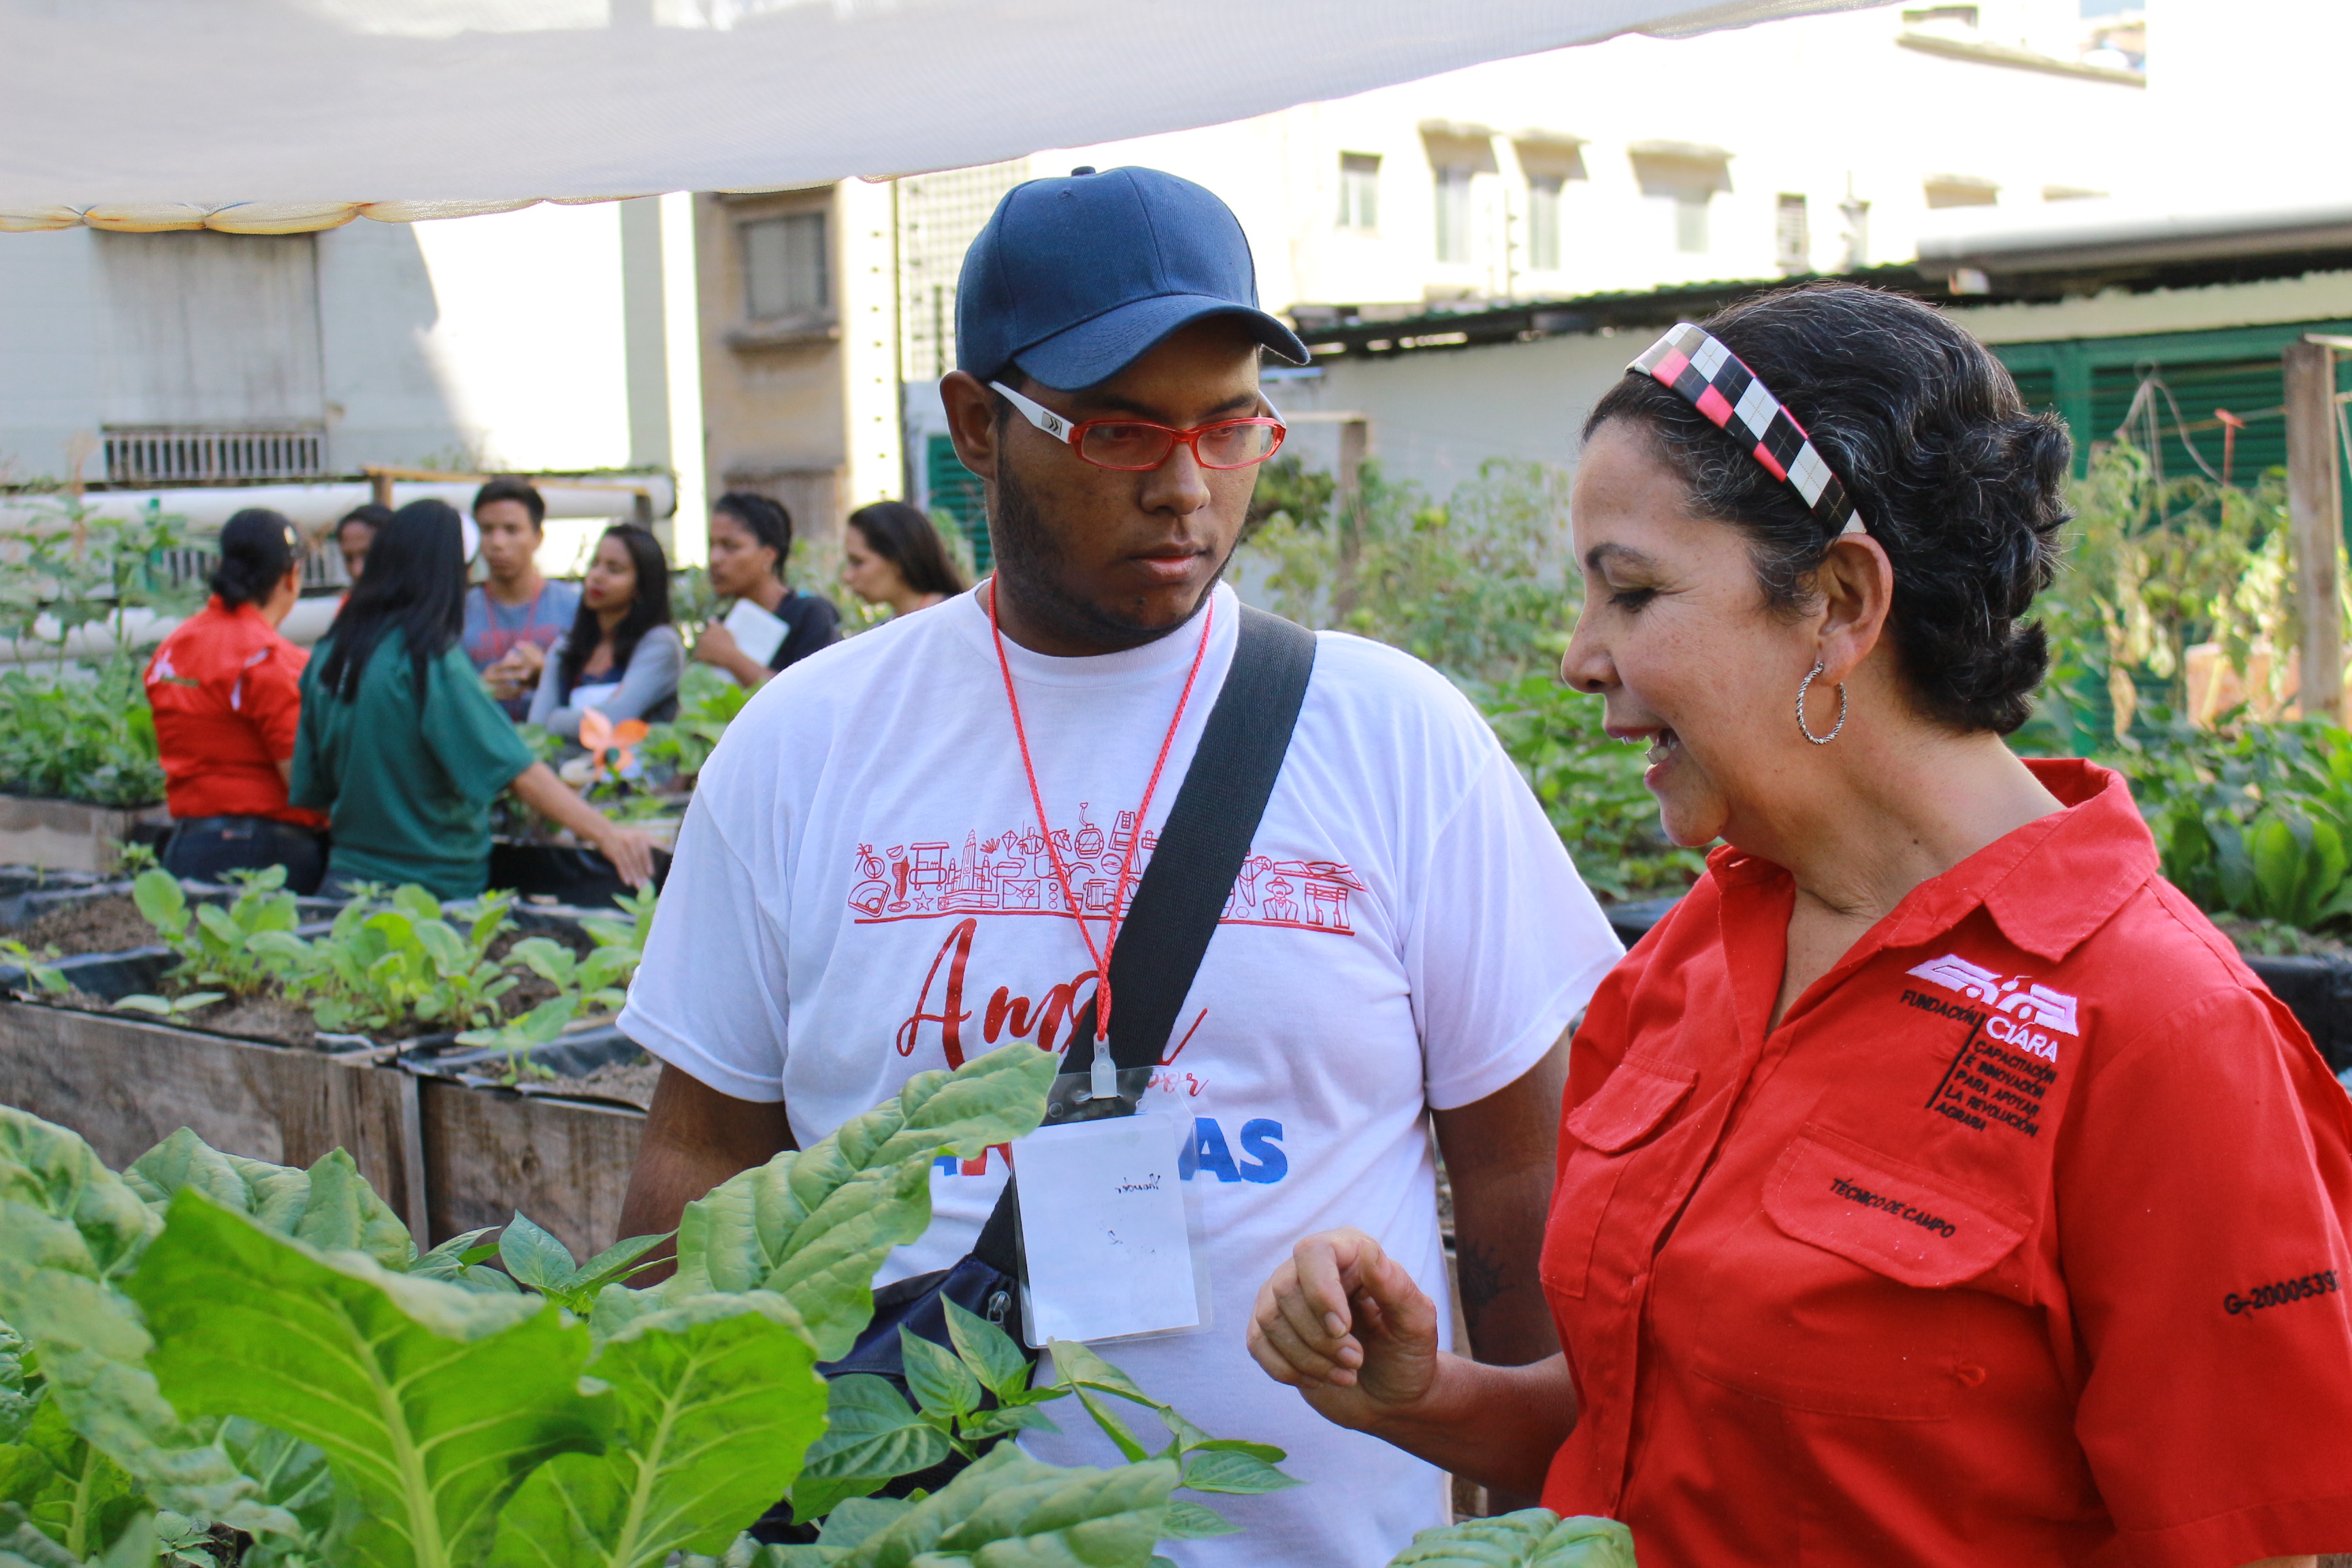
{"type": "Point", "coordinates": [972, 422]}
{"type": "Point", "coordinates": [1856, 584]}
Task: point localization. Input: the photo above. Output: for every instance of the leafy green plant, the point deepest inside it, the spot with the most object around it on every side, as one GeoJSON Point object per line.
{"type": "Point", "coordinates": [2254, 822]}
{"type": "Point", "coordinates": [1532, 1538]}
{"type": "Point", "coordinates": [1478, 585]}
{"type": "Point", "coordinates": [708, 701]}
{"type": "Point", "coordinates": [244, 947]}
{"type": "Point", "coordinates": [43, 975]}
{"type": "Point", "coordinates": [258, 1349]}
{"type": "Point", "coordinates": [82, 733]}
{"type": "Point", "coordinates": [1590, 786]}
{"type": "Point", "coordinates": [171, 1006]}
{"type": "Point", "coordinates": [381, 966]}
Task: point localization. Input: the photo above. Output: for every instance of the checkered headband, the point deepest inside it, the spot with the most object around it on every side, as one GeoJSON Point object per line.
{"type": "Point", "coordinates": [1691, 363]}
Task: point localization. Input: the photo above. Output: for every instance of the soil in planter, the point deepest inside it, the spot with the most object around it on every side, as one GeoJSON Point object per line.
{"type": "Point", "coordinates": [261, 1018]}
{"type": "Point", "coordinates": [632, 1081]}
{"type": "Point", "coordinates": [101, 925]}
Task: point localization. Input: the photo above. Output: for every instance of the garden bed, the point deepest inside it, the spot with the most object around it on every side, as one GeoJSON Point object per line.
{"type": "Point", "coordinates": [448, 1155]}
{"type": "Point", "coordinates": [70, 836]}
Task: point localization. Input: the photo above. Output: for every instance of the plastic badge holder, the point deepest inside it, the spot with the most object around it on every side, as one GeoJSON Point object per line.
{"type": "Point", "coordinates": [1073, 1099]}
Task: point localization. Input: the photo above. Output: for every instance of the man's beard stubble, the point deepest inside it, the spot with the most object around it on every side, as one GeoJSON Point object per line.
{"type": "Point", "coordinates": [1028, 569]}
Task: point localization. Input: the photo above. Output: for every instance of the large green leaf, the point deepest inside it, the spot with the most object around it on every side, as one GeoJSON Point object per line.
{"type": "Point", "coordinates": [331, 1206]}
{"type": "Point", "coordinates": [70, 1228]}
{"type": "Point", "coordinates": [81, 1499]}
{"type": "Point", "coordinates": [431, 1402]}
{"type": "Point", "coordinates": [1010, 1511]}
{"type": "Point", "coordinates": [714, 1402]}
{"type": "Point", "coordinates": [1532, 1538]}
{"type": "Point", "coordinates": [23, 1546]}
{"type": "Point", "coordinates": [871, 1435]}
{"type": "Point", "coordinates": [19, 1386]}
{"type": "Point", "coordinates": [814, 1226]}
{"type": "Point", "coordinates": [292, 1475]}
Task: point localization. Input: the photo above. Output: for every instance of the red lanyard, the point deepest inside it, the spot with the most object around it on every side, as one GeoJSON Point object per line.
{"type": "Point", "coordinates": [1126, 864]}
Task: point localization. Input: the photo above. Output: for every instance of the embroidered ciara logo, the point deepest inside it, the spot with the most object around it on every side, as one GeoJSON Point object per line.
{"type": "Point", "coordinates": [2019, 1011]}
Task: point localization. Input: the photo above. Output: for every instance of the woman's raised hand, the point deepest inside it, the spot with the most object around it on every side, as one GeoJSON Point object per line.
{"type": "Point", "coordinates": [1344, 1324]}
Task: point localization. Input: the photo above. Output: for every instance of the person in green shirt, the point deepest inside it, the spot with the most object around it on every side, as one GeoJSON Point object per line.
{"type": "Point", "coordinates": [399, 743]}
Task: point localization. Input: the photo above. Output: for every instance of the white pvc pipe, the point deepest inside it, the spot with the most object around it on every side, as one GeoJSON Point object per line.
{"type": "Point", "coordinates": [318, 506]}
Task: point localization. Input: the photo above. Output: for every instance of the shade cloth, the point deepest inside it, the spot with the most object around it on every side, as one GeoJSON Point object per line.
{"type": "Point", "coordinates": [277, 116]}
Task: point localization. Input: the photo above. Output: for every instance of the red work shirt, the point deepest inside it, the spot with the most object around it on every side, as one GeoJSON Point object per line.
{"type": "Point", "coordinates": [227, 692]}
{"type": "Point", "coordinates": [2021, 1240]}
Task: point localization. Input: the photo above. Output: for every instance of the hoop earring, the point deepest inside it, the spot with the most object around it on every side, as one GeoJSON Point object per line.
{"type": "Point", "coordinates": [1805, 730]}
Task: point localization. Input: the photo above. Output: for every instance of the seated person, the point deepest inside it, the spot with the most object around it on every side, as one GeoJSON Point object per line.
{"type": "Point", "coordinates": [750, 538]}
{"type": "Point", "coordinates": [623, 657]}
{"type": "Point", "coordinates": [891, 554]}
{"type": "Point", "coordinates": [515, 616]}
{"type": "Point", "coordinates": [226, 689]}
{"type": "Point", "coordinates": [400, 745]}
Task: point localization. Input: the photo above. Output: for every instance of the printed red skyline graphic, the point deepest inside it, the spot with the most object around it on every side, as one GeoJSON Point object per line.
{"type": "Point", "coordinates": [1009, 873]}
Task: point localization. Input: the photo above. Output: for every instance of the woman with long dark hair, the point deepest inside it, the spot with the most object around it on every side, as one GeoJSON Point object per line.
{"type": "Point", "coordinates": [892, 554]}
{"type": "Point", "coordinates": [399, 743]}
{"type": "Point", "coordinates": [751, 536]}
{"type": "Point", "coordinates": [226, 689]}
{"type": "Point", "coordinates": [622, 657]}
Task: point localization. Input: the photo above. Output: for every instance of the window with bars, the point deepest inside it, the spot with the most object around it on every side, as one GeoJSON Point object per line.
{"type": "Point", "coordinates": [142, 457]}
{"type": "Point", "coordinates": [1543, 221]}
{"type": "Point", "coordinates": [1792, 235]}
{"type": "Point", "coordinates": [1453, 212]}
{"type": "Point", "coordinates": [786, 271]}
{"type": "Point", "coordinates": [1359, 191]}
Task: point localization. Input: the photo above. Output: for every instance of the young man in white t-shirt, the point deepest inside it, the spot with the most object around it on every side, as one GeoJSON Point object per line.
{"type": "Point", "coordinates": [863, 888]}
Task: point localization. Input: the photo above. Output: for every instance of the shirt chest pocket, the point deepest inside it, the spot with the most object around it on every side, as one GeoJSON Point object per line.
{"type": "Point", "coordinates": [1628, 1108]}
{"type": "Point", "coordinates": [1839, 1295]}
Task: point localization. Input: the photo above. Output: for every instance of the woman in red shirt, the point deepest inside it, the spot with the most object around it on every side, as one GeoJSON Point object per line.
{"type": "Point", "coordinates": [226, 689]}
{"type": "Point", "coordinates": [1935, 1185]}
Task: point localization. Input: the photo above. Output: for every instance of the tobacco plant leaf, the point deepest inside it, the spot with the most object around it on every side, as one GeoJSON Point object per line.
{"type": "Point", "coordinates": [533, 1256]}
{"type": "Point", "coordinates": [1531, 1538]}
{"type": "Point", "coordinates": [713, 1403]}
{"type": "Point", "coordinates": [1007, 1511]}
{"type": "Point", "coordinates": [871, 1435]}
{"type": "Point", "coordinates": [69, 1230]}
{"type": "Point", "coordinates": [77, 1496]}
{"type": "Point", "coordinates": [331, 1206]}
{"type": "Point", "coordinates": [20, 1386]}
{"type": "Point", "coordinates": [23, 1546]}
{"type": "Point", "coordinates": [292, 1475]}
{"type": "Point", "coordinates": [814, 1225]}
{"type": "Point", "coordinates": [431, 1402]}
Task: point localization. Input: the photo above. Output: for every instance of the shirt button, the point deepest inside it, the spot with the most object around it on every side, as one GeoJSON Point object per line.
{"type": "Point", "coordinates": [1973, 1376]}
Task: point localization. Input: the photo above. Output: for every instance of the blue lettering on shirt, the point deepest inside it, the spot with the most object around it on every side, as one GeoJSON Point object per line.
{"type": "Point", "coordinates": [1262, 1161]}
{"type": "Point", "coordinates": [1262, 1137]}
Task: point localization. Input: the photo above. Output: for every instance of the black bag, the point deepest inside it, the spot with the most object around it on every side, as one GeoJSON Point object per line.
{"type": "Point", "coordinates": [1161, 943]}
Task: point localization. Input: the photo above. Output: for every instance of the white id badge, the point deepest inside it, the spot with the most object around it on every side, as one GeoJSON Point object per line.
{"type": "Point", "coordinates": [1107, 1246]}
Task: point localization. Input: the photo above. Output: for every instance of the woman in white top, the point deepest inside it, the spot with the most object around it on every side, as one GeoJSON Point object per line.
{"type": "Point", "coordinates": [622, 657]}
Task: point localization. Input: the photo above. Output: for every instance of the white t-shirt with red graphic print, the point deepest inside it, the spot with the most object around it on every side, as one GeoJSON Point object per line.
{"type": "Point", "coordinates": [862, 892]}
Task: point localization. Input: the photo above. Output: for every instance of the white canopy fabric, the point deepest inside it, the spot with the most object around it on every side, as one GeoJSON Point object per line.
{"type": "Point", "coordinates": [279, 116]}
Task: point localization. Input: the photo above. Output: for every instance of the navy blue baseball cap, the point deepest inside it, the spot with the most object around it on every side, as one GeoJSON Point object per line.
{"type": "Point", "coordinates": [1073, 280]}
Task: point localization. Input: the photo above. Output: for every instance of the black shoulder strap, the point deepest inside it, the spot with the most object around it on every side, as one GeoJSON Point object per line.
{"type": "Point", "coordinates": [1193, 866]}
{"type": "Point", "coordinates": [1192, 869]}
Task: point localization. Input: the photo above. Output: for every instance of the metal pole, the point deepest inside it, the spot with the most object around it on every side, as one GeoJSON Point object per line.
{"type": "Point", "coordinates": [2315, 510]}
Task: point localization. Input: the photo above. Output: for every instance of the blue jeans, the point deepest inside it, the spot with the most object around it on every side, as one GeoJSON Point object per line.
{"type": "Point", "coordinates": [204, 849]}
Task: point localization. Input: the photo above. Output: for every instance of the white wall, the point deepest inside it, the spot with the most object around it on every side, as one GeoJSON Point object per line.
{"type": "Point", "coordinates": [1809, 105]}
{"type": "Point", "coordinates": [528, 344]}
{"type": "Point", "coordinates": [51, 379]}
{"type": "Point", "coordinates": [1437, 414]}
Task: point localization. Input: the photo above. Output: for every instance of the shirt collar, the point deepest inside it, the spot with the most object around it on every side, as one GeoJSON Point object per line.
{"type": "Point", "coordinates": [2047, 885]}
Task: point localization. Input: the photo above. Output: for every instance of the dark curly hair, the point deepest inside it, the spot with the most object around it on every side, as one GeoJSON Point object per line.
{"type": "Point", "coordinates": [1962, 486]}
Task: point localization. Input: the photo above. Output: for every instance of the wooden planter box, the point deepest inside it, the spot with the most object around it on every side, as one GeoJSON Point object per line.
{"type": "Point", "coordinates": [66, 835]}
{"type": "Point", "coordinates": [447, 1157]}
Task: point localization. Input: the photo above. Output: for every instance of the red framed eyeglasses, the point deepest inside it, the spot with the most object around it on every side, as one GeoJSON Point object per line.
{"type": "Point", "coordinates": [1135, 446]}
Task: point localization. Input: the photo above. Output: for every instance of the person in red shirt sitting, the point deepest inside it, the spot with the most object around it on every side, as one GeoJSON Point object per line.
{"type": "Point", "coordinates": [1935, 1185]}
{"type": "Point", "coordinates": [226, 689]}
